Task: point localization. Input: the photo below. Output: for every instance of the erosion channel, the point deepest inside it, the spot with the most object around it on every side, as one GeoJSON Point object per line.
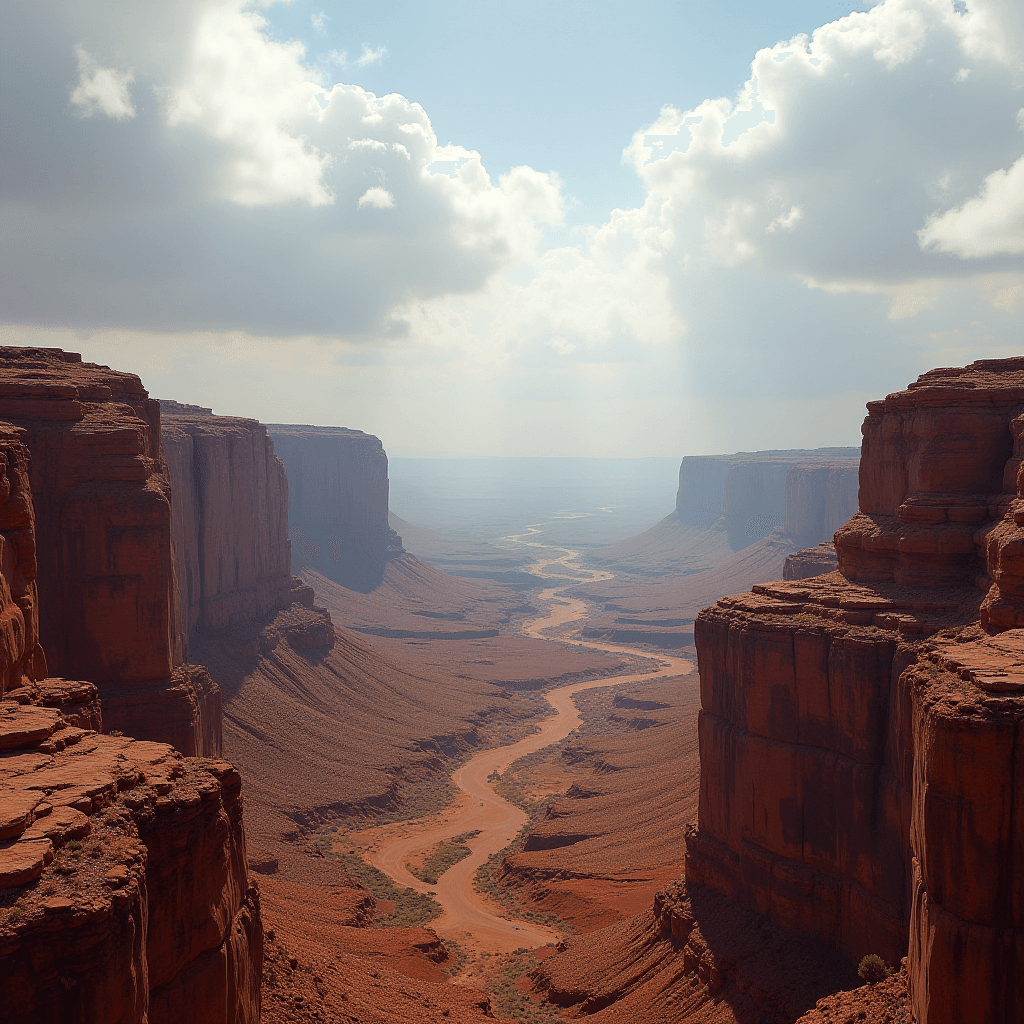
{"type": "Point", "coordinates": [470, 918]}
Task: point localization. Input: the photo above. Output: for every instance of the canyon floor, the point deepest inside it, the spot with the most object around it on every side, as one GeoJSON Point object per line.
{"type": "Point", "coordinates": [463, 809]}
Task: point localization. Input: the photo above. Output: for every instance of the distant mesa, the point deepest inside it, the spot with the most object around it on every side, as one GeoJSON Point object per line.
{"type": "Point", "coordinates": [338, 502]}
{"type": "Point", "coordinates": [728, 503]}
{"type": "Point", "coordinates": [807, 495]}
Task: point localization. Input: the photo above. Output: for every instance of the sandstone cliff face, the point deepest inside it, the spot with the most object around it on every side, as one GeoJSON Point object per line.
{"type": "Point", "coordinates": [338, 502]}
{"type": "Point", "coordinates": [229, 518]}
{"type": "Point", "coordinates": [816, 561]}
{"type": "Point", "coordinates": [859, 729]}
{"type": "Point", "coordinates": [21, 657]}
{"type": "Point", "coordinates": [108, 607]}
{"type": "Point", "coordinates": [806, 494]}
{"type": "Point", "coordinates": [124, 894]}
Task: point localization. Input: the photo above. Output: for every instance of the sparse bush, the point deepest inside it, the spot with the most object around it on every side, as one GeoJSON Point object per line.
{"type": "Point", "coordinates": [873, 969]}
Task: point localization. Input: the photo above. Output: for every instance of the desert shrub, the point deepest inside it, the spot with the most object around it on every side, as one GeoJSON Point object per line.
{"type": "Point", "coordinates": [873, 969]}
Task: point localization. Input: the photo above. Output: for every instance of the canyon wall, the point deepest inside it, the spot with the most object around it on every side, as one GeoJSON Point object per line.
{"type": "Point", "coordinates": [229, 518]}
{"type": "Point", "coordinates": [124, 888]}
{"type": "Point", "coordinates": [806, 494]}
{"type": "Point", "coordinates": [108, 607]}
{"type": "Point", "coordinates": [338, 502]}
{"type": "Point", "coordinates": [21, 656]}
{"type": "Point", "coordinates": [858, 731]}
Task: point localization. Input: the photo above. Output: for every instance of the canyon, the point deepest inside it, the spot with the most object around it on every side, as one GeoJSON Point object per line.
{"type": "Point", "coordinates": [201, 614]}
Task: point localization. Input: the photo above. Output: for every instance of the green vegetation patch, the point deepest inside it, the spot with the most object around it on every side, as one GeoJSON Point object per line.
{"type": "Point", "coordinates": [509, 1001]}
{"type": "Point", "coordinates": [445, 855]}
{"type": "Point", "coordinates": [409, 908]}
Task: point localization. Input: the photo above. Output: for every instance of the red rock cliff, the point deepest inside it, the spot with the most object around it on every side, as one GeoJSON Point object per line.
{"type": "Point", "coordinates": [21, 656]}
{"type": "Point", "coordinates": [806, 494]}
{"type": "Point", "coordinates": [338, 502]}
{"type": "Point", "coordinates": [108, 604]}
{"type": "Point", "coordinates": [124, 893]}
{"type": "Point", "coordinates": [859, 730]}
{"type": "Point", "coordinates": [229, 518]}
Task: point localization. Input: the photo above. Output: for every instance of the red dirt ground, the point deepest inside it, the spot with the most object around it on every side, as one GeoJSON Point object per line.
{"type": "Point", "coordinates": [616, 837]}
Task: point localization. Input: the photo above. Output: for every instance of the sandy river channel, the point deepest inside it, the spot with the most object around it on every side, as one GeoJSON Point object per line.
{"type": "Point", "coordinates": [470, 918]}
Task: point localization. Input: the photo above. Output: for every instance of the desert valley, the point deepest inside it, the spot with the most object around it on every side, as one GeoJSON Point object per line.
{"type": "Point", "coordinates": [262, 761]}
{"type": "Point", "coordinates": [511, 512]}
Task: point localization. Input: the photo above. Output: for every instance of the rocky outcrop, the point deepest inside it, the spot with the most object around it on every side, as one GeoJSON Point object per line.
{"type": "Point", "coordinates": [816, 561]}
{"type": "Point", "coordinates": [124, 893]}
{"type": "Point", "coordinates": [338, 502]}
{"type": "Point", "coordinates": [229, 518]}
{"type": "Point", "coordinates": [108, 608]}
{"type": "Point", "coordinates": [806, 494]}
{"type": "Point", "coordinates": [21, 656]}
{"type": "Point", "coordinates": [859, 730]}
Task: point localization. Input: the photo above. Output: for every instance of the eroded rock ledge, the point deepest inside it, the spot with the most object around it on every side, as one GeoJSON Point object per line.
{"type": "Point", "coordinates": [123, 879]}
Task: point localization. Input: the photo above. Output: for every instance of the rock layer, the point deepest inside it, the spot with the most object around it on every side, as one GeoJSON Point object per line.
{"type": "Point", "coordinates": [21, 656]}
{"type": "Point", "coordinates": [123, 880]}
{"type": "Point", "coordinates": [806, 494]}
{"type": "Point", "coordinates": [338, 502]}
{"type": "Point", "coordinates": [816, 561]}
{"type": "Point", "coordinates": [858, 732]}
{"type": "Point", "coordinates": [229, 516]}
{"type": "Point", "coordinates": [108, 608]}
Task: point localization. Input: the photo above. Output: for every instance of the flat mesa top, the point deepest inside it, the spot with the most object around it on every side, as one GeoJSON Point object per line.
{"type": "Point", "coordinates": [793, 455]}
{"type": "Point", "coordinates": [314, 430]}
{"type": "Point", "coordinates": [54, 373]}
{"type": "Point", "coordinates": [999, 380]}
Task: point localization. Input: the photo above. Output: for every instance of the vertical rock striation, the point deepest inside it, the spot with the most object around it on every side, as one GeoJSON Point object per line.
{"type": "Point", "coordinates": [807, 495]}
{"type": "Point", "coordinates": [124, 891]}
{"type": "Point", "coordinates": [229, 518]}
{"type": "Point", "coordinates": [21, 656]}
{"type": "Point", "coordinates": [859, 730]}
{"type": "Point", "coordinates": [108, 603]}
{"type": "Point", "coordinates": [338, 502]}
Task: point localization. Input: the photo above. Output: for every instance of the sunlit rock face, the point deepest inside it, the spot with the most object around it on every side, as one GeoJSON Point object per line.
{"type": "Point", "coordinates": [859, 730]}
{"type": "Point", "coordinates": [229, 518]}
{"type": "Point", "coordinates": [123, 878]}
{"type": "Point", "coordinates": [338, 502]}
{"type": "Point", "coordinates": [108, 606]}
{"type": "Point", "coordinates": [807, 495]}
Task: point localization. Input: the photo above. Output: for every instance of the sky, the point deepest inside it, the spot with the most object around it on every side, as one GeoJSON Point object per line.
{"type": "Point", "coordinates": [601, 229]}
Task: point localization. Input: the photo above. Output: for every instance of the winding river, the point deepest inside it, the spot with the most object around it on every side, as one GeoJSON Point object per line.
{"type": "Point", "coordinates": [471, 918]}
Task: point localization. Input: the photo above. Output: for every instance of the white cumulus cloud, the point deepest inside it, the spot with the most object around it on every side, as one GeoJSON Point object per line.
{"type": "Point", "coordinates": [377, 197]}
{"type": "Point", "coordinates": [237, 195]}
{"type": "Point", "coordinates": [102, 90]}
{"type": "Point", "coordinates": [988, 224]}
